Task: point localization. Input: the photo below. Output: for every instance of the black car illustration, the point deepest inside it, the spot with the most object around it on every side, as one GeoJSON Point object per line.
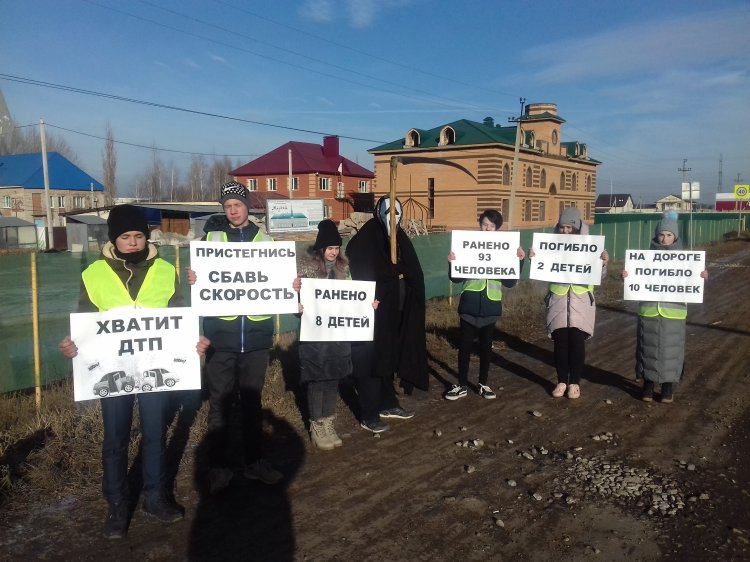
{"type": "Point", "coordinates": [114, 383]}
{"type": "Point", "coordinates": [154, 378]}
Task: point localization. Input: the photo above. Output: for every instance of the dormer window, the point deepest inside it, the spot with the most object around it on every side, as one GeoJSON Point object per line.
{"type": "Point", "coordinates": [412, 139]}
{"type": "Point", "coordinates": [447, 136]}
{"type": "Point", "coordinates": [554, 138]}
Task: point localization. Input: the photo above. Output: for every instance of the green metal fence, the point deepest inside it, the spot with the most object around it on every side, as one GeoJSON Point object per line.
{"type": "Point", "coordinates": [59, 278]}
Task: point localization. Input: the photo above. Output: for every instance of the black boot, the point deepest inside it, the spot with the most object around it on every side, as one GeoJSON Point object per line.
{"type": "Point", "coordinates": [116, 524]}
{"type": "Point", "coordinates": [648, 391]}
{"type": "Point", "coordinates": [157, 505]}
{"type": "Point", "coordinates": [666, 393]}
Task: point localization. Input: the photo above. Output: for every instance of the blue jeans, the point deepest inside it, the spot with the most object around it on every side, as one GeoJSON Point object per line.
{"type": "Point", "coordinates": [117, 414]}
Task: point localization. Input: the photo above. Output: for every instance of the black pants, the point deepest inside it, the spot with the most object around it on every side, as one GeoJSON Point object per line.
{"type": "Point", "coordinates": [228, 372]}
{"type": "Point", "coordinates": [376, 393]}
{"type": "Point", "coordinates": [570, 354]}
{"type": "Point", "coordinates": [468, 331]}
{"type": "Point", "coordinates": [321, 398]}
{"type": "Point", "coordinates": [117, 415]}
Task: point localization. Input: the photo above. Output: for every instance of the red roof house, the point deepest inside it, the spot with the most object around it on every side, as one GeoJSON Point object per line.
{"type": "Point", "coordinates": [317, 172]}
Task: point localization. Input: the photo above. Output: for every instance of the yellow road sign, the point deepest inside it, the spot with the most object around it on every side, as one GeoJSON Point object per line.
{"type": "Point", "coordinates": [741, 191]}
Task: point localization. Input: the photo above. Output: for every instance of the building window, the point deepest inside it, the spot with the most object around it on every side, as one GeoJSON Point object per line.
{"type": "Point", "coordinates": [364, 186]}
{"type": "Point", "coordinates": [526, 210]}
{"type": "Point", "coordinates": [505, 206]}
{"type": "Point", "coordinates": [271, 184]}
{"type": "Point", "coordinates": [574, 181]}
{"type": "Point", "coordinates": [295, 183]}
{"type": "Point", "coordinates": [252, 184]}
{"type": "Point", "coordinates": [431, 197]}
{"type": "Point", "coordinates": [447, 136]}
{"type": "Point", "coordinates": [324, 184]}
{"type": "Point", "coordinates": [587, 214]}
{"type": "Point", "coordinates": [7, 202]}
{"type": "Point", "coordinates": [506, 175]}
{"type": "Point", "coordinates": [562, 181]}
{"type": "Point", "coordinates": [79, 202]}
{"type": "Point", "coordinates": [542, 210]}
{"type": "Point", "coordinates": [543, 179]}
{"type": "Point", "coordinates": [412, 139]}
{"type": "Point", "coordinates": [57, 202]}
{"type": "Point", "coordinates": [554, 138]}
{"type": "Point", "coordinates": [340, 190]}
{"type": "Point", "coordinates": [529, 179]}
{"type": "Point", "coordinates": [588, 183]}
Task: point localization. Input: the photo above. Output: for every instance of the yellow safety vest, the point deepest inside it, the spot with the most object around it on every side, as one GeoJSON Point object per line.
{"type": "Point", "coordinates": [494, 287]}
{"type": "Point", "coordinates": [673, 311]}
{"type": "Point", "coordinates": [221, 236]}
{"type": "Point", "coordinates": [107, 291]}
{"type": "Point", "coordinates": [561, 290]}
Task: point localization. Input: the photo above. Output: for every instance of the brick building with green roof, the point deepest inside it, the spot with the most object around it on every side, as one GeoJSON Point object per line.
{"type": "Point", "coordinates": [553, 174]}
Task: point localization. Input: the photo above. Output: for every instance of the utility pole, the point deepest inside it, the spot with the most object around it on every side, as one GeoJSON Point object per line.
{"type": "Point", "coordinates": [45, 168]}
{"type": "Point", "coordinates": [516, 151]}
{"type": "Point", "coordinates": [684, 171]}
{"type": "Point", "coordinates": [720, 187]}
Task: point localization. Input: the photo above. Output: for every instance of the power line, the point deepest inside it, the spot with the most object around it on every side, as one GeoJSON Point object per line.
{"type": "Point", "coordinates": [63, 87]}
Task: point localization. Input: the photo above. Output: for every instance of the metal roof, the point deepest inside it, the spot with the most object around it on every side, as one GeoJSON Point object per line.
{"type": "Point", "coordinates": [87, 219]}
{"type": "Point", "coordinates": [27, 171]}
{"type": "Point", "coordinates": [13, 221]}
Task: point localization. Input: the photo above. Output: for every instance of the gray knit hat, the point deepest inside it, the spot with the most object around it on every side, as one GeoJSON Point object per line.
{"type": "Point", "coordinates": [668, 223]}
{"type": "Point", "coordinates": [571, 217]}
{"type": "Point", "coordinates": [234, 190]}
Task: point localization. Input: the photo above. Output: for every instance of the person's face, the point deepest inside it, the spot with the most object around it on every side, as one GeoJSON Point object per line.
{"type": "Point", "coordinates": [130, 241]}
{"type": "Point", "coordinates": [565, 229]}
{"type": "Point", "coordinates": [236, 213]}
{"type": "Point", "coordinates": [487, 225]}
{"type": "Point", "coordinates": [665, 238]}
{"type": "Point", "coordinates": [331, 252]}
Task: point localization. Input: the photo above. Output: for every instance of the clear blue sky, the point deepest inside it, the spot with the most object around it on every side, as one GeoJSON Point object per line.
{"type": "Point", "coordinates": [644, 83]}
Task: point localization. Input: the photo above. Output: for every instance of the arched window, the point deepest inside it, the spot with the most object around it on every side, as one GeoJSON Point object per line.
{"type": "Point", "coordinates": [554, 138]}
{"type": "Point", "coordinates": [543, 179]}
{"type": "Point", "coordinates": [447, 136]}
{"type": "Point", "coordinates": [588, 183]}
{"type": "Point", "coordinates": [506, 175]}
{"type": "Point", "coordinates": [574, 181]}
{"type": "Point", "coordinates": [562, 181]}
{"type": "Point", "coordinates": [529, 179]}
{"type": "Point", "coordinates": [412, 139]}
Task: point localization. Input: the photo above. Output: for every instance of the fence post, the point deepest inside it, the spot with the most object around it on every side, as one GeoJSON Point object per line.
{"type": "Point", "coordinates": [35, 325]}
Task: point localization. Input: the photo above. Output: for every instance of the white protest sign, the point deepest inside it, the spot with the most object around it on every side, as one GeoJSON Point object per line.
{"type": "Point", "coordinates": [485, 254]}
{"type": "Point", "coordinates": [664, 276]}
{"type": "Point", "coordinates": [337, 310]}
{"type": "Point", "coordinates": [567, 258]}
{"type": "Point", "coordinates": [132, 350]}
{"type": "Point", "coordinates": [237, 278]}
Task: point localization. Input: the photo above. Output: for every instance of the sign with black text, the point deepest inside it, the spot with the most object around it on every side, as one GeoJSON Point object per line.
{"type": "Point", "coordinates": [485, 254]}
{"type": "Point", "coordinates": [567, 258]}
{"type": "Point", "coordinates": [237, 278]}
{"type": "Point", "coordinates": [133, 350]}
{"type": "Point", "coordinates": [337, 310]}
{"type": "Point", "coordinates": [664, 276]}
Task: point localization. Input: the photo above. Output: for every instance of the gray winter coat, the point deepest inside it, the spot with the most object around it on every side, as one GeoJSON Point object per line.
{"type": "Point", "coordinates": [660, 348]}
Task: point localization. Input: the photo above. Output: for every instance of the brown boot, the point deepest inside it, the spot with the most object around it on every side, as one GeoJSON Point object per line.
{"type": "Point", "coordinates": [331, 430]}
{"type": "Point", "coordinates": [319, 435]}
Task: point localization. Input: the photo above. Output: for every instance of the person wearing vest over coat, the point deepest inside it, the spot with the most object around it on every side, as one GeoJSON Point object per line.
{"type": "Point", "coordinates": [571, 313]}
{"type": "Point", "coordinates": [660, 347]}
{"type": "Point", "coordinates": [398, 345]}
{"type": "Point", "coordinates": [130, 273]}
{"type": "Point", "coordinates": [479, 309]}
{"type": "Point", "coordinates": [237, 357]}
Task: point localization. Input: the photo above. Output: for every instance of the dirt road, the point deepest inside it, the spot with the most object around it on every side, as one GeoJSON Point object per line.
{"type": "Point", "coordinates": [523, 477]}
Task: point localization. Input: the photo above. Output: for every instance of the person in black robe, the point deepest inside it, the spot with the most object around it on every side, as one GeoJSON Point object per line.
{"type": "Point", "coordinates": [398, 347]}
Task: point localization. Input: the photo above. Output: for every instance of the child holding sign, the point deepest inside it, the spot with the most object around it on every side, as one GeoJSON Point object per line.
{"type": "Point", "coordinates": [479, 309]}
{"type": "Point", "coordinates": [660, 348]}
{"type": "Point", "coordinates": [570, 316]}
{"type": "Point", "coordinates": [323, 364]}
{"type": "Point", "coordinates": [130, 273]}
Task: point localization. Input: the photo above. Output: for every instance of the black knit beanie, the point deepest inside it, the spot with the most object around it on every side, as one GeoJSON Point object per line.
{"type": "Point", "coordinates": [124, 218]}
{"type": "Point", "coordinates": [328, 235]}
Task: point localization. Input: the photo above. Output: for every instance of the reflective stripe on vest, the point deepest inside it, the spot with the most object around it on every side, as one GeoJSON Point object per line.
{"type": "Point", "coordinates": [561, 290]}
{"type": "Point", "coordinates": [664, 309]}
{"type": "Point", "coordinates": [107, 291]}
{"type": "Point", "coordinates": [221, 236]}
{"type": "Point", "coordinates": [494, 288]}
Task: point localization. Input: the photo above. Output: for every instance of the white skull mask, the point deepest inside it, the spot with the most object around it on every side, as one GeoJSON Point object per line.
{"type": "Point", "coordinates": [383, 213]}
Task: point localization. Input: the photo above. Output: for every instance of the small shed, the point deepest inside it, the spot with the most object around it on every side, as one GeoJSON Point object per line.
{"type": "Point", "coordinates": [85, 232]}
{"type": "Point", "coordinates": [16, 234]}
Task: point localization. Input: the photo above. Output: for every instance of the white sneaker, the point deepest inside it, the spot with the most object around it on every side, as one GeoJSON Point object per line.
{"type": "Point", "coordinates": [486, 392]}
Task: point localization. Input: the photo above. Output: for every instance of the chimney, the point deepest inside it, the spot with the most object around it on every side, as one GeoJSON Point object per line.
{"type": "Point", "coordinates": [331, 147]}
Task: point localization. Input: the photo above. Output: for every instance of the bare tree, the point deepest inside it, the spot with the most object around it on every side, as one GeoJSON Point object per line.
{"type": "Point", "coordinates": [109, 166]}
{"type": "Point", "coordinates": [154, 181]}
{"type": "Point", "coordinates": [219, 174]}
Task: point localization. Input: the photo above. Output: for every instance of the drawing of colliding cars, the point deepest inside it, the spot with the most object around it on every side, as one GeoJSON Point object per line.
{"type": "Point", "coordinates": [114, 383]}
{"type": "Point", "coordinates": [154, 378]}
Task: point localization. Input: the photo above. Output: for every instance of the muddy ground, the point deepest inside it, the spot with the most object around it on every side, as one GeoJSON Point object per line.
{"type": "Point", "coordinates": [606, 477]}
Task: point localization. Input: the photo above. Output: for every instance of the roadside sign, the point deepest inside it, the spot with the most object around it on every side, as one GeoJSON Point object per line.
{"type": "Point", "coordinates": [741, 191]}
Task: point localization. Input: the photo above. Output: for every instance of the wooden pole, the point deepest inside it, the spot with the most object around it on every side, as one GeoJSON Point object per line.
{"type": "Point", "coordinates": [392, 210]}
{"type": "Point", "coordinates": [35, 325]}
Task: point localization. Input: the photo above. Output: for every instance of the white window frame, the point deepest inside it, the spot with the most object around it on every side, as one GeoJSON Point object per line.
{"type": "Point", "coordinates": [57, 202]}
{"type": "Point", "coordinates": [252, 184]}
{"type": "Point", "coordinates": [364, 186]}
{"type": "Point", "coordinates": [324, 184]}
{"type": "Point", "coordinates": [271, 184]}
{"type": "Point", "coordinates": [295, 183]}
{"type": "Point", "coordinates": [79, 202]}
{"type": "Point", "coordinates": [7, 202]}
